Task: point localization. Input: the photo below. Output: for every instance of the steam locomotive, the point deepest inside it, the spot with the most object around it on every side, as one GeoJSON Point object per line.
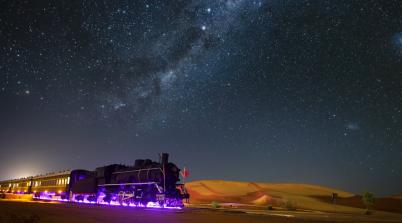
{"type": "Point", "coordinates": [147, 183]}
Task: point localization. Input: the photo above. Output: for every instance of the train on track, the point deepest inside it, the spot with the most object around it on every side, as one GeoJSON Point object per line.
{"type": "Point", "coordinates": [146, 183]}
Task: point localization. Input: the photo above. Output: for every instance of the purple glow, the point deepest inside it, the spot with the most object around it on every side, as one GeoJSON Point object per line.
{"type": "Point", "coordinates": [53, 197]}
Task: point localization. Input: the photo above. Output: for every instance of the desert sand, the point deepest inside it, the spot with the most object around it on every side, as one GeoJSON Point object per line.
{"type": "Point", "coordinates": [303, 196]}
{"type": "Point", "coordinates": [238, 202]}
{"type": "Point", "coordinates": [42, 212]}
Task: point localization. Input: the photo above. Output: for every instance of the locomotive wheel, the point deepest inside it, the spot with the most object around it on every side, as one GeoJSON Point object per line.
{"type": "Point", "coordinates": [121, 197]}
{"type": "Point", "coordinates": [107, 198]}
{"type": "Point", "coordinates": [130, 197]}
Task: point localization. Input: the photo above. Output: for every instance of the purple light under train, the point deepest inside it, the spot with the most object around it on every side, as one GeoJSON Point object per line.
{"type": "Point", "coordinates": [50, 197]}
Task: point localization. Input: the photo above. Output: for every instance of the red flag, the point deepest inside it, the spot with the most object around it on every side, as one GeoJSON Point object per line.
{"type": "Point", "coordinates": [185, 173]}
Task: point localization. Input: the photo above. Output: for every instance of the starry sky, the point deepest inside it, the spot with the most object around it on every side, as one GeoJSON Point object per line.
{"type": "Point", "coordinates": [305, 91]}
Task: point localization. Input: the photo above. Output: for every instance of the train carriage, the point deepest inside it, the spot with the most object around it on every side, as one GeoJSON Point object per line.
{"type": "Point", "coordinates": [17, 186]}
{"type": "Point", "coordinates": [51, 186]}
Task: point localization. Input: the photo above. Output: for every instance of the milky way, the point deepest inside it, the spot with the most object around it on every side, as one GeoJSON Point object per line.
{"type": "Point", "coordinates": [289, 91]}
{"type": "Point", "coordinates": [159, 65]}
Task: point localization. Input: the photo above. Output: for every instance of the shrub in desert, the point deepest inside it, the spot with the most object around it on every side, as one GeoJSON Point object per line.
{"type": "Point", "coordinates": [215, 204]}
{"type": "Point", "coordinates": [289, 205]}
{"type": "Point", "coordinates": [368, 201]}
{"type": "Point", "coordinates": [270, 208]}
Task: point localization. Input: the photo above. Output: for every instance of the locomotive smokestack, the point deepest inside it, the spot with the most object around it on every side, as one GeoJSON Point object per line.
{"type": "Point", "coordinates": [165, 158]}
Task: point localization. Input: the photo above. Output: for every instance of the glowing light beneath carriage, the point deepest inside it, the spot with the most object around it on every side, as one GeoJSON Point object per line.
{"type": "Point", "coordinates": [51, 197]}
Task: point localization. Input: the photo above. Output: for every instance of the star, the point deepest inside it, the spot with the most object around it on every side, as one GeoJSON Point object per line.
{"type": "Point", "coordinates": [352, 126]}
{"type": "Point", "coordinates": [332, 116]}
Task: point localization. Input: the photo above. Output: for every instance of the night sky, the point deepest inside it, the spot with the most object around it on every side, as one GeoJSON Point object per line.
{"type": "Point", "coordinates": [253, 90]}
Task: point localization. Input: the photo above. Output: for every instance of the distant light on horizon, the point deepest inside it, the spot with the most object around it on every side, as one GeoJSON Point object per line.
{"type": "Point", "coordinates": [21, 174]}
{"type": "Point", "coordinates": [22, 166]}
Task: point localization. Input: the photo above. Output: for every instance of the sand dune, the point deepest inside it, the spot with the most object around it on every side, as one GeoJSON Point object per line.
{"type": "Point", "coordinates": [304, 196]}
